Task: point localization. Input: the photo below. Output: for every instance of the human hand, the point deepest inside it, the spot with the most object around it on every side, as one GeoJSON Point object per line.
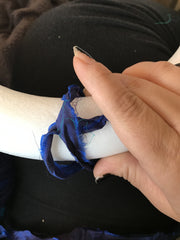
{"type": "Point", "coordinates": [143, 106]}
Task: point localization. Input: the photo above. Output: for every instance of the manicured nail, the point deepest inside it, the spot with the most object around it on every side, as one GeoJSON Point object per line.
{"type": "Point", "coordinates": [103, 178]}
{"type": "Point", "coordinates": [178, 64]}
{"type": "Point", "coordinates": [82, 54]}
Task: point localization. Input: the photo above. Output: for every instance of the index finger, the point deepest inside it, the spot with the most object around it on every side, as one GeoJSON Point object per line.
{"type": "Point", "coordinates": [163, 73]}
{"type": "Point", "coordinates": [143, 131]}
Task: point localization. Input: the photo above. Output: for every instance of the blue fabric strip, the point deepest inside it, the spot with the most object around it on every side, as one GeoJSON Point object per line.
{"type": "Point", "coordinates": [85, 234]}
{"type": "Point", "coordinates": [3, 233]}
{"type": "Point", "coordinates": [70, 128]}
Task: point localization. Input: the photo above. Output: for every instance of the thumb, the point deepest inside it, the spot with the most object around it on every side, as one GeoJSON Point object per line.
{"type": "Point", "coordinates": [122, 165]}
{"type": "Point", "coordinates": [125, 165]}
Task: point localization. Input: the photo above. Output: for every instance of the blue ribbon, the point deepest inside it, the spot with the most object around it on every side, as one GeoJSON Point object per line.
{"type": "Point", "coordinates": [70, 129]}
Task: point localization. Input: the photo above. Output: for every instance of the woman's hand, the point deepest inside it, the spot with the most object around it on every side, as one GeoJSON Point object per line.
{"type": "Point", "coordinates": [143, 106]}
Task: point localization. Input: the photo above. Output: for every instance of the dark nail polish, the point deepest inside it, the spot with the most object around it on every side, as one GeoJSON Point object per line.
{"type": "Point", "coordinates": [100, 180]}
{"type": "Point", "coordinates": [178, 64]}
{"type": "Point", "coordinates": [83, 51]}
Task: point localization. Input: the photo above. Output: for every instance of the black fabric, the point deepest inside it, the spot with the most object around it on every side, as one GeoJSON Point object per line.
{"type": "Point", "coordinates": [118, 33]}
{"type": "Point", "coordinates": [6, 181]}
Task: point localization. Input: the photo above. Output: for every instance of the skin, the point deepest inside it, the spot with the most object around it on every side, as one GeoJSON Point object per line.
{"type": "Point", "coordinates": [143, 107]}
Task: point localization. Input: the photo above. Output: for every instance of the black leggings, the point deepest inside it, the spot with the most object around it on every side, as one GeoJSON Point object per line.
{"type": "Point", "coordinates": [117, 33]}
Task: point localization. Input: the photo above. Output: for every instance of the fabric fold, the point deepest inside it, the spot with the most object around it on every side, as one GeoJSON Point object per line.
{"type": "Point", "coordinates": [16, 16]}
{"type": "Point", "coordinates": [70, 129]}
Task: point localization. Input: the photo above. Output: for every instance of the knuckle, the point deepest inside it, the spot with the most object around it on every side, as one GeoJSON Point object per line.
{"type": "Point", "coordinates": [130, 104]}
{"type": "Point", "coordinates": [134, 83]}
{"type": "Point", "coordinates": [158, 144]}
{"type": "Point", "coordinates": [173, 152]}
{"type": "Point", "coordinates": [162, 68]}
{"type": "Point", "coordinates": [162, 65]}
{"type": "Point", "coordinates": [132, 69]}
{"type": "Point", "coordinates": [166, 144]}
{"type": "Point", "coordinates": [160, 140]}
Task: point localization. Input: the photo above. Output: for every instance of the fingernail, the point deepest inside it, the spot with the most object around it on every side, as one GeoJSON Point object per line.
{"type": "Point", "coordinates": [178, 64]}
{"type": "Point", "coordinates": [82, 54]}
{"type": "Point", "coordinates": [103, 178]}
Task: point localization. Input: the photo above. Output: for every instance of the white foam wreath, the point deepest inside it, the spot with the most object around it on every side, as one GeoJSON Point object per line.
{"type": "Point", "coordinates": [24, 118]}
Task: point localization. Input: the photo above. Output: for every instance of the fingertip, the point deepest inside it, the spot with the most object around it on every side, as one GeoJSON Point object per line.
{"type": "Point", "coordinates": [92, 76]}
{"type": "Point", "coordinates": [101, 168]}
{"type": "Point", "coordinates": [107, 165]}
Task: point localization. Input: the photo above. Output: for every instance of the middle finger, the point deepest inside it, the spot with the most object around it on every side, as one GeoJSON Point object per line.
{"type": "Point", "coordinates": [161, 100]}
